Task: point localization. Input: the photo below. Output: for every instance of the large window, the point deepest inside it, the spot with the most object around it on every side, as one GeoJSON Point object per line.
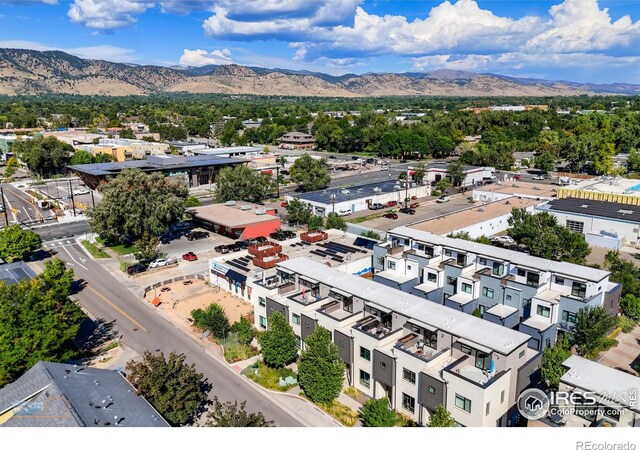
{"type": "Point", "coordinates": [498, 269]}
{"type": "Point", "coordinates": [381, 260]}
{"type": "Point", "coordinates": [262, 301]}
{"type": "Point", "coordinates": [432, 277]}
{"type": "Point", "coordinates": [295, 318]}
{"type": "Point", "coordinates": [408, 403]}
{"type": "Point", "coordinates": [461, 259]}
{"type": "Point", "coordinates": [463, 403]}
{"type": "Point", "coordinates": [467, 288]}
{"type": "Point", "coordinates": [482, 261]}
{"type": "Point", "coordinates": [487, 292]}
{"type": "Point", "coordinates": [391, 265]}
{"type": "Point", "coordinates": [579, 289]}
{"type": "Point", "coordinates": [365, 378]}
{"type": "Point", "coordinates": [521, 272]}
{"type": "Point", "coordinates": [483, 361]}
{"type": "Point", "coordinates": [263, 322]}
{"type": "Point", "coordinates": [575, 225]}
{"type": "Point", "coordinates": [543, 311]}
{"type": "Point", "coordinates": [568, 316]}
{"type": "Point", "coordinates": [365, 353]}
{"type": "Point", "coordinates": [431, 338]}
{"type": "Point", "coordinates": [452, 281]}
{"type": "Point", "coordinates": [533, 279]}
{"type": "Point", "coordinates": [409, 376]}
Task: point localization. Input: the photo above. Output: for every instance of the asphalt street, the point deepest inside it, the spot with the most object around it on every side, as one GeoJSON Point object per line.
{"type": "Point", "coordinates": [20, 208]}
{"type": "Point", "coordinates": [50, 232]}
{"type": "Point", "coordinates": [143, 329]}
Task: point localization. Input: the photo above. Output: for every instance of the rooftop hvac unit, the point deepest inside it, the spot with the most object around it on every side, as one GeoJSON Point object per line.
{"type": "Point", "coordinates": [231, 203]}
{"type": "Point", "coordinates": [346, 191]}
{"type": "Point", "coordinates": [245, 207]}
{"type": "Point", "coordinates": [261, 211]}
{"type": "Point", "coordinates": [377, 189]}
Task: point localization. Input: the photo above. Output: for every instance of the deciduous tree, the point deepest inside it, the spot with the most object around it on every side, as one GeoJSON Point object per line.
{"type": "Point", "coordinates": [212, 318]}
{"type": "Point", "coordinates": [320, 370]}
{"type": "Point", "coordinates": [298, 212]}
{"type": "Point", "coordinates": [43, 155]}
{"type": "Point", "coordinates": [552, 359]}
{"type": "Point", "coordinates": [17, 244]}
{"type": "Point", "coordinates": [441, 418]}
{"type": "Point", "coordinates": [242, 183]}
{"type": "Point", "coordinates": [311, 174]}
{"type": "Point", "coordinates": [592, 326]}
{"type": "Point", "coordinates": [232, 414]}
{"type": "Point", "coordinates": [376, 413]}
{"type": "Point", "coordinates": [278, 343]}
{"type": "Point", "coordinates": [335, 222]}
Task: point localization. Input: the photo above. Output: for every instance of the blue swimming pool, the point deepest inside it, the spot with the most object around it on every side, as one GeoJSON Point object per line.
{"type": "Point", "coordinates": [635, 188]}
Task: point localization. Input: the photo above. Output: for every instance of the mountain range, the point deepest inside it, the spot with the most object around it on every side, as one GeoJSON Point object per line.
{"type": "Point", "coordinates": [31, 72]}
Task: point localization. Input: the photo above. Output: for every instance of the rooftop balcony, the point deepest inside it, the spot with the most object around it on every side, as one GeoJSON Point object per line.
{"type": "Point", "coordinates": [465, 369]}
{"type": "Point", "coordinates": [413, 344]}
{"type": "Point", "coordinates": [268, 262]}
{"type": "Point", "coordinates": [265, 249]}
{"type": "Point", "coordinates": [336, 311]}
{"type": "Point", "coordinates": [373, 326]}
{"type": "Point", "coordinates": [304, 297]}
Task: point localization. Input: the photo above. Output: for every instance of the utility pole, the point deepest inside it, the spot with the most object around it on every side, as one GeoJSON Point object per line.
{"type": "Point", "coordinates": [73, 203]}
{"type": "Point", "coordinates": [4, 207]}
{"type": "Point", "coordinates": [278, 179]}
{"type": "Point", "coordinates": [93, 200]}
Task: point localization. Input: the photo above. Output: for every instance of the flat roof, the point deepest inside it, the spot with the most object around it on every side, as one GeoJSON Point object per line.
{"type": "Point", "coordinates": [239, 215]}
{"type": "Point", "coordinates": [608, 210]}
{"type": "Point", "coordinates": [472, 216]}
{"type": "Point", "coordinates": [607, 184]}
{"type": "Point", "coordinates": [518, 258]}
{"type": "Point", "coordinates": [15, 272]}
{"type": "Point", "coordinates": [520, 188]}
{"type": "Point", "coordinates": [474, 329]}
{"type": "Point", "coordinates": [153, 163]}
{"type": "Point", "coordinates": [359, 191]}
{"type": "Point", "coordinates": [611, 383]}
{"type": "Point", "coordinates": [445, 166]}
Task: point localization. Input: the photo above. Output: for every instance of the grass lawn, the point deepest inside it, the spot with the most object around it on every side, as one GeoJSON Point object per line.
{"type": "Point", "coordinates": [268, 377]}
{"type": "Point", "coordinates": [121, 249]}
{"type": "Point", "coordinates": [95, 251]}
{"type": "Point", "coordinates": [369, 217]}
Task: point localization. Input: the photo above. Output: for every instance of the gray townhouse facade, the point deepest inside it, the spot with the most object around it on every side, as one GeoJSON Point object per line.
{"type": "Point", "coordinates": [417, 353]}
{"type": "Point", "coordinates": [536, 296]}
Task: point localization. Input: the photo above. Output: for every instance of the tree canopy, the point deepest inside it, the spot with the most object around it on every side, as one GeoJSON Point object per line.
{"type": "Point", "coordinates": [335, 222]}
{"type": "Point", "coordinates": [376, 413]}
{"type": "Point", "coordinates": [441, 418]}
{"type": "Point", "coordinates": [171, 385]}
{"type": "Point", "coordinates": [136, 205]}
{"type": "Point", "coordinates": [552, 359]}
{"type": "Point", "coordinates": [242, 183]}
{"type": "Point", "coordinates": [591, 328]}
{"type": "Point", "coordinates": [38, 321]}
{"type": "Point", "coordinates": [43, 155]}
{"type": "Point", "coordinates": [17, 244]}
{"type": "Point", "coordinates": [320, 369]}
{"type": "Point", "coordinates": [310, 173]}
{"type": "Point", "coordinates": [232, 414]}
{"type": "Point", "coordinates": [278, 343]}
{"type": "Point", "coordinates": [298, 212]}
{"type": "Point", "coordinates": [212, 318]}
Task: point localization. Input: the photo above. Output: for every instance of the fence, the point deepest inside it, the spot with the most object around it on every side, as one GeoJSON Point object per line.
{"type": "Point", "coordinates": [173, 280]}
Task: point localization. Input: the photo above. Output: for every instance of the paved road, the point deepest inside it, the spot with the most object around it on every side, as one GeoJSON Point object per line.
{"type": "Point", "coordinates": [50, 232]}
{"type": "Point", "coordinates": [143, 329]}
{"type": "Point", "coordinates": [19, 206]}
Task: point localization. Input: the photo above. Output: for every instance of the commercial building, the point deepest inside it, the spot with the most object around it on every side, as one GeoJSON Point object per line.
{"type": "Point", "coordinates": [238, 220]}
{"type": "Point", "coordinates": [196, 170]}
{"type": "Point", "coordinates": [504, 190]}
{"type": "Point", "coordinates": [535, 295]}
{"type": "Point", "coordinates": [416, 353]}
{"type": "Point", "coordinates": [296, 139]}
{"type": "Point", "coordinates": [604, 224]}
{"type": "Point", "coordinates": [225, 152]}
{"type": "Point", "coordinates": [65, 395]}
{"type": "Point", "coordinates": [358, 198]}
{"type": "Point", "coordinates": [472, 174]}
{"type": "Point", "coordinates": [127, 149]}
{"type": "Point", "coordinates": [616, 394]}
{"type": "Point", "coordinates": [607, 189]}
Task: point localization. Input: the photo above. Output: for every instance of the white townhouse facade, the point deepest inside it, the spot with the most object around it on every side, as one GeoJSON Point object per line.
{"type": "Point", "coordinates": [416, 353]}
{"type": "Point", "coordinates": [537, 296]}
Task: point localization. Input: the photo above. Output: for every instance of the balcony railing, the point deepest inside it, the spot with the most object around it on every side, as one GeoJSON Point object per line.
{"type": "Point", "coordinates": [372, 326]}
{"type": "Point", "coordinates": [466, 370]}
{"type": "Point", "coordinates": [268, 262]}
{"type": "Point", "coordinates": [414, 344]}
{"type": "Point", "coordinates": [264, 249]}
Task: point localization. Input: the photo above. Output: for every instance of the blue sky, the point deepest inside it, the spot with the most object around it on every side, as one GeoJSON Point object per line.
{"type": "Point", "coordinates": [576, 40]}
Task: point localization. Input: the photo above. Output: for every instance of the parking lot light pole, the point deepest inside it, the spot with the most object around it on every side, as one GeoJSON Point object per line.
{"type": "Point", "coordinates": [4, 207]}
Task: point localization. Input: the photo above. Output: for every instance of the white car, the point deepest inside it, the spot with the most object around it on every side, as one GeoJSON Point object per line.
{"type": "Point", "coordinates": [504, 240]}
{"type": "Point", "coordinates": [161, 263]}
{"type": "Point", "coordinates": [443, 199]}
{"type": "Point", "coordinates": [81, 192]}
{"type": "Point", "coordinates": [384, 168]}
{"type": "Point", "coordinates": [344, 212]}
{"type": "Point", "coordinates": [538, 177]}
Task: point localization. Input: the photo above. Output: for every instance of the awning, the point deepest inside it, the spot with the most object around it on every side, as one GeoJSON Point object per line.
{"type": "Point", "coordinates": [235, 276]}
{"type": "Point", "coordinates": [282, 269]}
{"type": "Point", "coordinates": [423, 325]}
{"type": "Point", "coordinates": [310, 280]}
{"type": "Point", "coordinates": [379, 308]}
{"type": "Point", "coordinates": [474, 345]}
{"type": "Point", "coordinates": [343, 293]}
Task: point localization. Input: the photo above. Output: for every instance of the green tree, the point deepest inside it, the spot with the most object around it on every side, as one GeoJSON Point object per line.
{"type": "Point", "coordinates": [138, 205]}
{"type": "Point", "coordinates": [278, 343]}
{"type": "Point", "coordinates": [633, 161]}
{"type": "Point", "coordinates": [371, 234]}
{"type": "Point", "coordinates": [311, 174]}
{"type": "Point", "coordinates": [81, 157]}
{"type": "Point", "coordinates": [624, 272]}
{"type": "Point", "coordinates": [192, 202]}
{"type": "Point", "coordinates": [441, 186]}
{"type": "Point", "coordinates": [212, 318]}
{"type": "Point", "coordinates": [99, 158]}
{"type": "Point", "coordinates": [126, 133]}
{"type": "Point", "coordinates": [376, 413]}
{"type": "Point", "coordinates": [320, 370]}
{"type": "Point", "coordinates": [230, 414]}
{"type": "Point", "coordinates": [172, 386]}
{"type": "Point", "coordinates": [12, 166]}
{"type": "Point", "coordinates": [298, 211]}
{"type": "Point", "coordinates": [592, 326]}
{"type": "Point", "coordinates": [543, 237]}
{"type": "Point", "coordinates": [552, 359]}
{"type": "Point", "coordinates": [630, 306]}
{"type": "Point", "coordinates": [335, 222]}
{"type": "Point", "coordinates": [545, 161]}
{"type": "Point", "coordinates": [242, 183]}
{"type": "Point", "coordinates": [38, 321]}
{"type": "Point", "coordinates": [43, 155]}
{"type": "Point", "coordinates": [17, 244]}
{"type": "Point", "coordinates": [456, 172]}
{"type": "Point", "coordinates": [244, 330]}
{"type": "Point", "coordinates": [315, 222]}
{"type": "Point", "coordinates": [441, 418]}
{"type": "Point", "coordinates": [419, 172]}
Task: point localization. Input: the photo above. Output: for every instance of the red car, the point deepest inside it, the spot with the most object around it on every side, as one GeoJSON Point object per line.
{"type": "Point", "coordinates": [190, 256]}
{"type": "Point", "coordinates": [414, 197]}
{"type": "Point", "coordinates": [284, 204]}
{"type": "Point", "coordinates": [391, 203]}
{"type": "Point", "coordinates": [393, 216]}
{"type": "Point", "coordinates": [414, 205]}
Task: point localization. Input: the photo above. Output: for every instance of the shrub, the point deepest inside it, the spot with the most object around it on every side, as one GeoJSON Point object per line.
{"type": "Point", "coordinates": [376, 413]}
{"type": "Point", "coordinates": [213, 318]}
{"type": "Point", "coordinates": [626, 324]}
{"type": "Point", "coordinates": [279, 344]}
{"type": "Point", "coordinates": [244, 331]}
{"type": "Point", "coordinates": [192, 202]}
{"type": "Point", "coordinates": [441, 418]}
{"type": "Point", "coordinates": [630, 306]}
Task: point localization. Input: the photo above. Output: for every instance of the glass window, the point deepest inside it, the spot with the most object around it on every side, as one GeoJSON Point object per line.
{"type": "Point", "coordinates": [508, 298]}
{"type": "Point", "coordinates": [559, 280]}
{"type": "Point", "coordinates": [579, 289]}
{"type": "Point", "coordinates": [432, 390]}
{"type": "Point", "coordinates": [487, 292]}
{"type": "Point", "coordinates": [521, 272]}
{"type": "Point", "coordinates": [487, 409]}
{"type": "Point", "coordinates": [533, 279]}
{"type": "Point", "coordinates": [391, 265]}
{"type": "Point", "coordinates": [461, 259]}
{"type": "Point", "coordinates": [482, 261]}
{"type": "Point", "coordinates": [483, 361]}
{"type": "Point", "coordinates": [381, 260]}
{"type": "Point", "coordinates": [447, 252]}
{"type": "Point", "coordinates": [341, 343]}
{"type": "Point", "coordinates": [431, 338]}
{"type": "Point", "coordinates": [365, 353]}
{"type": "Point", "coordinates": [452, 281]}
{"type": "Point", "coordinates": [408, 267]}
{"type": "Point", "coordinates": [295, 319]}
{"type": "Point", "coordinates": [466, 288]}
{"type": "Point", "coordinates": [502, 397]}
{"type": "Point", "coordinates": [463, 403]}
{"type": "Point", "coordinates": [262, 301]}
{"type": "Point", "coordinates": [465, 349]}
{"type": "Point", "coordinates": [568, 316]}
{"type": "Point", "coordinates": [521, 354]}
{"type": "Point", "coordinates": [263, 322]}
{"type": "Point", "coordinates": [498, 269]}
{"type": "Point", "coordinates": [432, 277]}
{"type": "Point", "coordinates": [365, 378]}
{"type": "Point", "coordinates": [408, 403]}
{"type": "Point", "coordinates": [543, 311]}
{"type": "Point", "coordinates": [575, 225]}
{"type": "Point", "coordinates": [409, 376]}
{"type": "Point", "coordinates": [383, 364]}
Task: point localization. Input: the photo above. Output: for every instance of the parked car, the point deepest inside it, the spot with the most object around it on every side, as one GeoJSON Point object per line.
{"type": "Point", "coordinates": [375, 206]}
{"type": "Point", "coordinates": [332, 156]}
{"type": "Point", "coordinates": [194, 235]}
{"type": "Point", "coordinates": [506, 240]}
{"type": "Point", "coordinates": [408, 211]}
{"type": "Point", "coordinates": [136, 268]}
{"type": "Point", "coordinates": [284, 204]}
{"type": "Point", "coordinates": [393, 216]}
{"type": "Point", "coordinates": [282, 235]}
{"type": "Point", "coordinates": [517, 177]}
{"type": "Point", "coordinates": [243, 245]}
{"type": "Point", "coordinates": [414, 205]}
{"type": "Point", "coordinates": [384, 168]}
{"type": "Point", "coordinates": [182, 226]}
{"type": "Point", "coordinates": [222, 249]}
{"type": "Point", "coordinates": [442, 199]}
{"type": "Point", "coordinates": [370, 161]}
{"type": "Point", "coordinates": [81, 192]}
{"type": "Point", "coordinates": [538, 177]}
{"type": "Point", "coordinates": [343, 212]}
{"type": "Point", "coordinates": [392, 203]}
{"type": "Point", "coordinates": [234, 247]}
{"type": "Point", "coordinates": [190, 256]}
{"type": "Point", "coordinates": [414, 197]}
{"type": "Point", "coordinates": [161, 263]}
{"type": "Point", "coordinates": [355, 158]}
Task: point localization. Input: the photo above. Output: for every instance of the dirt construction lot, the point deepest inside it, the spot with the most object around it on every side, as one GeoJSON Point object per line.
{"type": "Point", "coordinates": [183, 297]}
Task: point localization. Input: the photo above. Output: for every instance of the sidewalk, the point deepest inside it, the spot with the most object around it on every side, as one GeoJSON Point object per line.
{"type": "Point", "coordinates": [625, 354]}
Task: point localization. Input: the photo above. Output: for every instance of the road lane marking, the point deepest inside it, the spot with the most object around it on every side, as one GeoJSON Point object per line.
{"type": "Point", "coordinates": [116, 307]}
{"type": "Point", "coordinates": [27, 213]}
{"type": "Point", "coordinates": [74, 260]}
{"type": "Point", "coordinates": [29, 202]}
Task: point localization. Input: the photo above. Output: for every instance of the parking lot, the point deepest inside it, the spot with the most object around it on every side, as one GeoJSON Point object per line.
{"type": "Point", "coordinates": [178, 244]}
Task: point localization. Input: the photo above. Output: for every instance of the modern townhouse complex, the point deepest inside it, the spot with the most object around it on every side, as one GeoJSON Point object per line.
{"type": "Point", "coordinates": [417, 353]}
{"type": "Point", "coordinates": [537, 296]}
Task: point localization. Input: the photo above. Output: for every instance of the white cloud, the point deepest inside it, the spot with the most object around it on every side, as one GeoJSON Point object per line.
{"type": "Point", "coordinates": [107, 14]}
{"type": "Point", "coordinates": [106, 52]}
{"type": "Point", "coordinates": [198, 58]}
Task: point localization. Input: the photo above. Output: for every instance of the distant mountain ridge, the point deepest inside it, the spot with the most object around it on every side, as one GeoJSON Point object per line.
{"type": "Point", "coordinates": [31, 72]}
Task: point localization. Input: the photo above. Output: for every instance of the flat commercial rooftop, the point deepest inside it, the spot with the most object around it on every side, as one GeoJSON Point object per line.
{"type": "Point", "coordinates": [15, 272]}
{"type": "Point", "coordinates": [344, 194]}
{"type": "Point", "coordinates": [239, 215]}
{"type": "Point", "coordinates": [467, 326]}
{"type": "Point", "coordinates": [471, 216]}
{"type": "Point", "coordinates": [516, 188]}
{"type": "Point", "coordinates": [587, 207]}
{"type": "Point", "coordinates": [607, 185]}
